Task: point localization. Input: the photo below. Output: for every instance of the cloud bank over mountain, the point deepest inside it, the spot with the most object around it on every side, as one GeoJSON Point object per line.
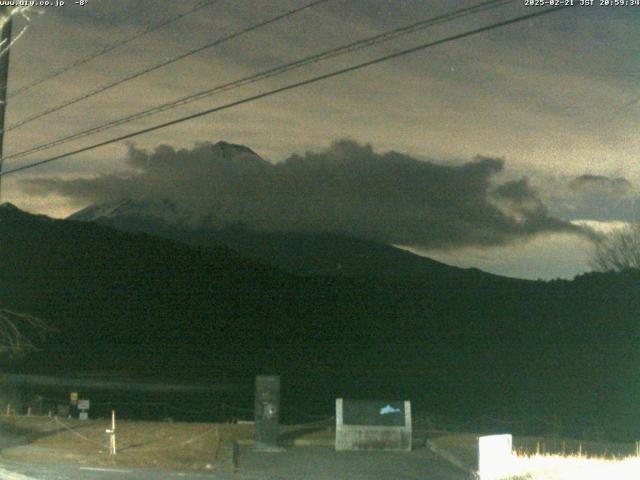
{"type": "Point", "coordinates": [348, 188]}
{"type": "Point", "coordinates": [592, 197]}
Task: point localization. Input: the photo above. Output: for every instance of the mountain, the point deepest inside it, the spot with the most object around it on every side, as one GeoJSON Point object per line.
{"type": "Point", "coordinates": [99, 285]}
{"type": "Point", "coordinates": [320, 253]}
{"type": "Point", "coordinates": [136, 303]}
{"type": "Point", "coordinates": [165, 211]}
{"type": "Point", "coordinates": [299, 253]}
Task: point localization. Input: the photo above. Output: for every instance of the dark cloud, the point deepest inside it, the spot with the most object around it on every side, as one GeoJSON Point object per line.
{"type": "Point", "coordinates": [521, 200]}
{"type": "Point", "coordinates": [348, 188]}
{"type": "Point", "coordinates": [600, 184]}
{"type": "Point", "coordinates": [594, 197]}
{"type": "Point", "coordinates": [518, 193]}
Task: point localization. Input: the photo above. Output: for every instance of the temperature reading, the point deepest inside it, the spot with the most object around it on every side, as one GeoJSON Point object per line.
{"type": "Point", "coordinates": [82, 3]}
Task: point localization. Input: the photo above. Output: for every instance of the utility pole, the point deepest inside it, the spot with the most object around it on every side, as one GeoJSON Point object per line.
{"type": "Point", "coordinates": [5, 38]}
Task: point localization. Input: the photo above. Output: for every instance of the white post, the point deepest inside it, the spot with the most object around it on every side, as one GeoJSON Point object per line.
{"type": "Point", "coordinates": [113, 433]}
{"type": "Point", "coordinates": [495, 456]}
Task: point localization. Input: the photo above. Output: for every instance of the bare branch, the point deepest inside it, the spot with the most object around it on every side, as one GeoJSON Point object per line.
{"type": "Point", "coordinates": [18, 331]}
{"type": "Point", "coordinates": [617, 251]}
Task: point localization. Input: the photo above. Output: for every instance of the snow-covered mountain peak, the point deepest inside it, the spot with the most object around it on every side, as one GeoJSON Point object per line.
{"type": "Point", "coordinates": [219, 158]}
{"type": "Point", "coordinates": [164, 210]}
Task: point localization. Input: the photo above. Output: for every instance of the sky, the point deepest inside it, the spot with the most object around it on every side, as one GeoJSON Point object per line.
{"type": "Point", "coordinates": [501, 151]}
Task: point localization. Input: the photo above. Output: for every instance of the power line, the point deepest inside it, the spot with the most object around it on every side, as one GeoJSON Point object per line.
{"type": "Point", "coordinates": [292, 86]}
{"type": "Point", "coordinates": [217, 42]}
{"type": "Point", "coordinates": [331, 53]}
{"type": "Point", "coordinates": [109, 48]}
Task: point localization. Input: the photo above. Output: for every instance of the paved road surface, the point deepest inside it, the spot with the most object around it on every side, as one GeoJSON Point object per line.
{"type": "Point", "coordinates": [299, 463]}
{"type": "Point", "coordinates": [61, 471]}
{"type": "Point", "coordinates": [322, 463]}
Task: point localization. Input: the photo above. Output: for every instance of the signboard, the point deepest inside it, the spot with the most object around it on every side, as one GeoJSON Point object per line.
{"type": "Point", "coordinates": [375, 413]}
{"type": "Point", "coordinates": [73, 397]}
{"type": "Point", "coordinates": [83, 404]}
{"type": "Point", "coordinates": [373, 425]}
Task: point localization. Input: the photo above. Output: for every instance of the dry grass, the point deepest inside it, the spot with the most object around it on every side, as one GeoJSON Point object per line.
{"type": "Point", "coordinates": [162, 445]}
{"type": "Point", "coordinates": [165, 445]}
{"type": "Point", "coordinates": [539, 458]}
{"type": "Point", "coordinates": [568, 459]}
{"type": "Point", "coordinates": [569, 446]}
{"type": "Point", "coordinates": [573, 467]}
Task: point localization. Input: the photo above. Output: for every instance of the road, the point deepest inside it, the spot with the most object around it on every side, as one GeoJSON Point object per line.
{"type": "Point", "coordinates": [293, 463]}
{"type": "Point", "coordinates": [299, 463]}
{"type": "Point", "coordinates": [62, 471]}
